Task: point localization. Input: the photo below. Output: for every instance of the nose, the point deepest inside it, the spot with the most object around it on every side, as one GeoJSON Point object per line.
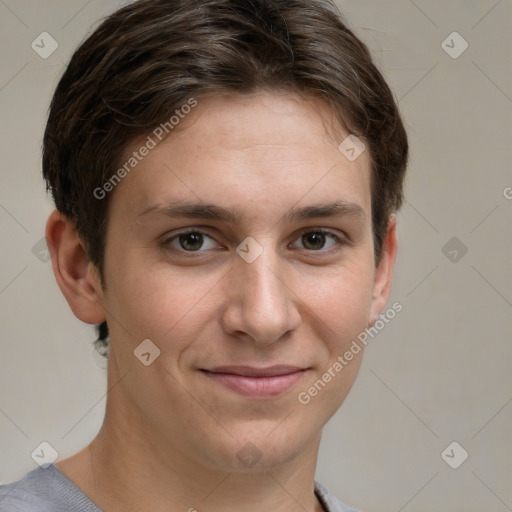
{"type": "Point", "coordinates": [261, 304]}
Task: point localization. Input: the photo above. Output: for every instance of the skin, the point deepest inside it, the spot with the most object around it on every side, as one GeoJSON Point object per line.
{"type": "Point", "coordinates": [171, 435]}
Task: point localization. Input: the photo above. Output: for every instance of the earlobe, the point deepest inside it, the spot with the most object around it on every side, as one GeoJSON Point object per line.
{"type": "Point", "coordinates": [75, 275]}
{"type": "Point", "coordinates": [384, 271]}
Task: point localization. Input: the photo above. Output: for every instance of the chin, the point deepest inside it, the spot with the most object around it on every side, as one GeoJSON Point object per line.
{"type": "Point", "coordinates": [257, 447]}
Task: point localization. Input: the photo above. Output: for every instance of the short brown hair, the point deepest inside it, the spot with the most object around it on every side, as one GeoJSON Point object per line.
{"type": "Point", "coordinates": [149, 58]}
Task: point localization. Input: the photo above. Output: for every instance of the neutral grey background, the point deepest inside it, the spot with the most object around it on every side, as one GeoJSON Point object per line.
{"type": "Point", "coordinates": [438, 373]}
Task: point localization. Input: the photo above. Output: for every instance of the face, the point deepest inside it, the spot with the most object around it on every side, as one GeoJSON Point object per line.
{"type": "Point", "coordinates": [241, 246]}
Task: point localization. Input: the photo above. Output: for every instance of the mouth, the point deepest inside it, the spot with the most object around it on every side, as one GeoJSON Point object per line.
{"type": "Point", "coordinates": [256, 382]}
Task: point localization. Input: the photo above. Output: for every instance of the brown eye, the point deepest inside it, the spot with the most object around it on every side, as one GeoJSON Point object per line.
{"type": "Point", "coordinates": [313, 241]}
{"type": "Point", "coordinates": [318, 240]}
{"type": "Point", "coordinates": [191, 241]}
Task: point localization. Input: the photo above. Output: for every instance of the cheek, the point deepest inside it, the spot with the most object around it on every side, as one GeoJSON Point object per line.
{"type": "Point", "coordinates": [160, 303]}
{"type": "Point", "coordinates": [342, 301]}
{"type": "Point", "coordinates": [341, 306]}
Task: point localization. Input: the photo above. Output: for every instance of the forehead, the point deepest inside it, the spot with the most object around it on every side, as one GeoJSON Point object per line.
{"type": "Point", "coordinates": [266, 149]}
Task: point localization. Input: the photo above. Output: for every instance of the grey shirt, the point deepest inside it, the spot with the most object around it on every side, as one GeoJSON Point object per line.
{"type": "Point", "coordinates": [50, 490]}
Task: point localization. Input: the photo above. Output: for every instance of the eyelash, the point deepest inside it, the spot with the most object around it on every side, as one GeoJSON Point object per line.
{"type": "Point", "coordinates": [339, 241]}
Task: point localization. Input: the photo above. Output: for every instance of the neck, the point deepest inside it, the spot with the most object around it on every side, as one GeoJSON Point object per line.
{"type": "Point", "coordinates": [128, 467]}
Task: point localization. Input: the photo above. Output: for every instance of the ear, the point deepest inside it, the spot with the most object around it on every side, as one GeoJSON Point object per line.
{"type": "Point", "coordinates": [384, 271]}
{"type": "Point", "coordinates": [77, 277]}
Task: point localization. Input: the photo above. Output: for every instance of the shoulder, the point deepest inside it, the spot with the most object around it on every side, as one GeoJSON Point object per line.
{"type": "Point", "coordinates": [44, 490]}
{"type": "Point", "coordinates": [329, 501]}
{"type": "Point", "coordinates": [23, 496]}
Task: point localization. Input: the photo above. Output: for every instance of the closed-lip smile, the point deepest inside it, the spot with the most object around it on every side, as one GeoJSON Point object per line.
{"type": "Point", "coordinates": [255, 382]}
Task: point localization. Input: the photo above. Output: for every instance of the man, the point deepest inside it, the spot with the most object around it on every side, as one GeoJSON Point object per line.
{"type": "Point", "coordinates": [226, 174]}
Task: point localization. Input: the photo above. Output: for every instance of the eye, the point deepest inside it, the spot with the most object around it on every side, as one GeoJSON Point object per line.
{"type": "Point", "coordinates": [318, 239]}
{"type": "Point", "coordinates": [191, 241]}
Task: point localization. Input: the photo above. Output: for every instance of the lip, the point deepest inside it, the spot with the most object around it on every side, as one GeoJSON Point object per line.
{"type": "Point", "coordinates": [256, 382]}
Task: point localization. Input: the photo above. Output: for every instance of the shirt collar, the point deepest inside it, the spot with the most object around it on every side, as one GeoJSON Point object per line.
{"type": "Point", "coordinates": [329, 502]}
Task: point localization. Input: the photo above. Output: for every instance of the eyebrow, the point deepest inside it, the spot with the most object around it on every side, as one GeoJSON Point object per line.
{"type": "Point", "coordinates": [199, 210]}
